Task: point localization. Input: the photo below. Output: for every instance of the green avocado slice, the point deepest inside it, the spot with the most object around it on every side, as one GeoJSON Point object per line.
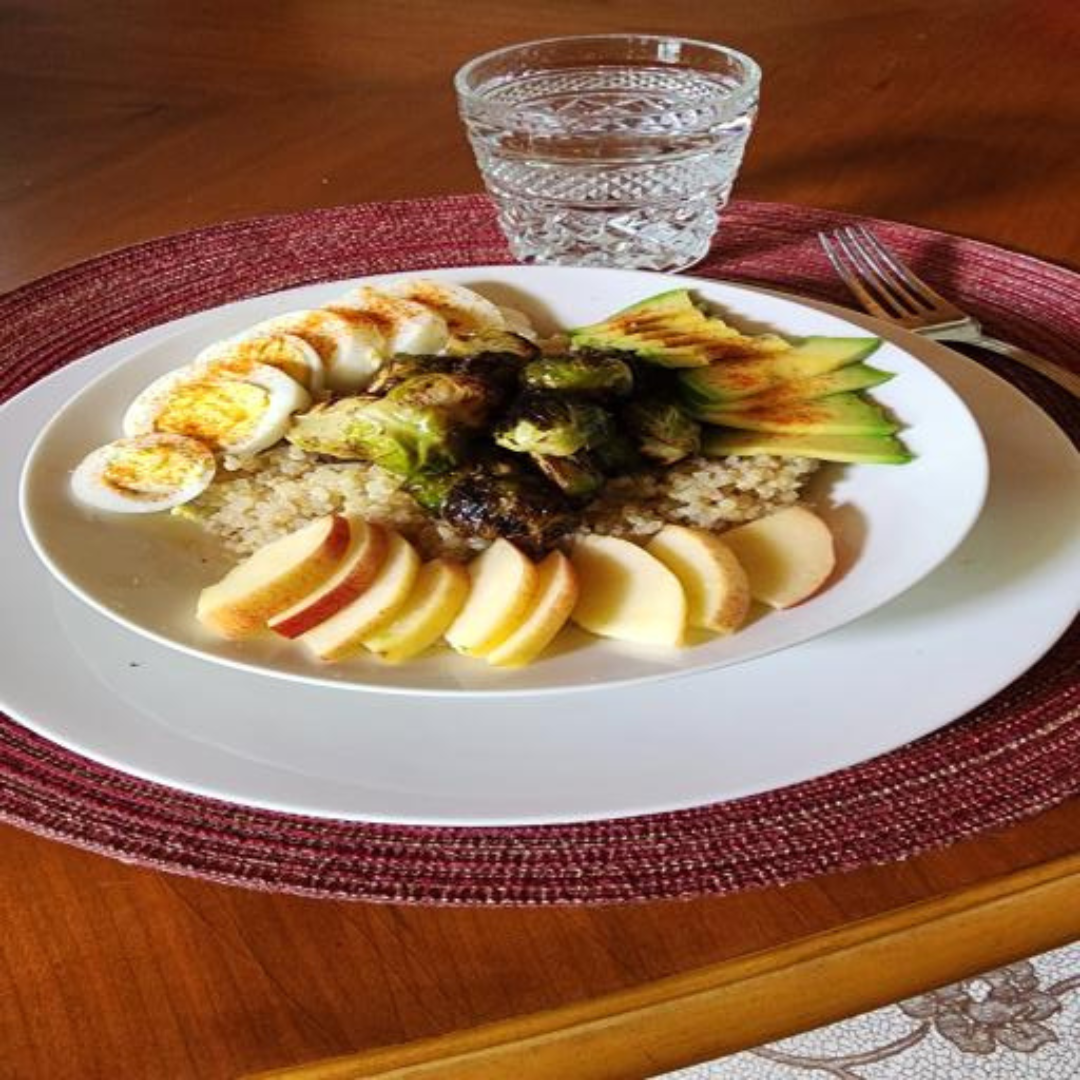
{"type": "Point", "coordinates": [670, 330]}
{"type": "Point", "coordinates": [840, 414]}
{"type": "Point", "coordinates": [859, 449]}
{"type": "Point", "coordinates": [845, 380]}
{"type": "Point", "coordinates": [735, 379]}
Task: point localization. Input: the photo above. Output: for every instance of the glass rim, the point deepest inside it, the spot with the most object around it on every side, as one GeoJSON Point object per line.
{"type": "Point", "coordinates": [748, 84]}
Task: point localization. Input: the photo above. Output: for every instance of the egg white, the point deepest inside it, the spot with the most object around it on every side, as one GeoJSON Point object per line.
{"type": "Point", "coordinates": [95, 479]}
{"type": "Point", "coordinates": [406, 326]}
{"type": "Point", "coordinates": [463, 310]}
{"type": "Point", "coordinates": [350, 345]}
{"type": "Point", "coordinates": [287, 352]}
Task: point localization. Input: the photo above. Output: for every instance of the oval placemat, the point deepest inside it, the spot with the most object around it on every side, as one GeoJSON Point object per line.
{"type": "Point", "coordinates": [1016, 755]}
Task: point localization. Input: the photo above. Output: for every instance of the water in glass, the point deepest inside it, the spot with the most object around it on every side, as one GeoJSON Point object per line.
{"type": "Point", "coordinates": [624, 166]}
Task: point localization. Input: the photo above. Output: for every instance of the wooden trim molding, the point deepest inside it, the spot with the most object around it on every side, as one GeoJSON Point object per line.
{"type": "Point", "coordinates": [716, 1010]}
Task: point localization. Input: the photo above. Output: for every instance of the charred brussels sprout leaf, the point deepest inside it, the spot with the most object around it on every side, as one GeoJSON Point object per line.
{"type": "Point", "coordinates": [517, 505]}
{"type": "Point", "coordinates": [498, 371]}
{"type": "Point", "coordinates": [403, 366]}
{"type": "Point", "coordinates": [462, 399]}
{"type": "Point", "coordinates": [619, 454]}
{"type": "Point", "coordinates": [663, 432]}
{"type": "Point", "coordinates": [553, 425]}
{"type": "Point", "coordinates": [494, 343]}
{"type": "Point", "coordinates": [431, 489]}
{"type": "Point", "coordinates": [400, 437]}
{"type": "Point", "coordinates": [592, 375]}
{"type": "Point", "coordinates": [578, 477]}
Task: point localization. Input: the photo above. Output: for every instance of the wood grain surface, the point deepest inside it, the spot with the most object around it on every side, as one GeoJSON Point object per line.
{"type": "Point", "coordinates": [122, 121]}
{"type": "Point", "coordinates": [669, 1023]}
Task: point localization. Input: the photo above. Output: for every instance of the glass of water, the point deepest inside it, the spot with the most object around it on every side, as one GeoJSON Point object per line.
{"type": "Point", "coordinates": [612, 150]}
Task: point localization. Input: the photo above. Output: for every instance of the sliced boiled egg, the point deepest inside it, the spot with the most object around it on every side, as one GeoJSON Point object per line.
{"type": "Point", "coordinates": [351, 349]}
{"type": "Point", "coordinates": [463, 310]}
{"type": "Point", "coordinates": [287, 352]}
{"type": "Point", "coordinates": [237, 411]}
{"type": "Point", "coordinates": [405, 325]}
{"type": "Point", "coordinates": [144, 474]}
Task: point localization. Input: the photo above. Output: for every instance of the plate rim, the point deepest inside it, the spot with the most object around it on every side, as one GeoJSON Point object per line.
{"type": "Point", "coordinates": [514, 819]}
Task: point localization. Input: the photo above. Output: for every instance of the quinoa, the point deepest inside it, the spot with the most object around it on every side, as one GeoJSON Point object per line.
{"type": "Point", "coordinates": [706, 493]}
{"type": "Point", "coordinates": [255, 500]}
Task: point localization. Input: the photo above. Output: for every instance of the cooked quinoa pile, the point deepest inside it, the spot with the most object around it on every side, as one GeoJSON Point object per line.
{"type": "Point", "coordinates": [257, 500]}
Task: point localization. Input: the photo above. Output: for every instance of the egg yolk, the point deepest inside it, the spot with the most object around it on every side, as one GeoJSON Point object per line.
{"type": "Point", "coordinates": [317, 329]}
{"type": "Point", "coordinates": [150, 470]}
{"type": "Point", "coordinates": [221, 413]}
{"type": "Point", "coordinates": [272, 351]}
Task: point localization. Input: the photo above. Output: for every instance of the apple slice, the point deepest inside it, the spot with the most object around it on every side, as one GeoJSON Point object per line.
{"type": "Point", "coordinates": [556, 594]}
{"type": "Point", "coordinates": [625, 593]}
{"type": "Point", "coordinates": [503, 582]}
{"type": "Point", "coordinates": [275, 577]}
{"type": "Point", "coordinates": [787, 556]}
{"type": "Point", "coordinates": [343, 634]}
{"type": "Point", "coordinates": [362, 560]}
{"type": "Point", "coordinates": [439, 593]}
{"type": "Point", "coordinates": [716, 586]}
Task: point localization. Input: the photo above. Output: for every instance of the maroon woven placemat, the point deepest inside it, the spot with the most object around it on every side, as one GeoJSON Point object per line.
{"type": "Point", "coordinates": [1016, 755]}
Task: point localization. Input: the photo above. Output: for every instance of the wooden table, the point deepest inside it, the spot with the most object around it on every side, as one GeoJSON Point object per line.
{"type": "Point", "coordinates": [124, 120]}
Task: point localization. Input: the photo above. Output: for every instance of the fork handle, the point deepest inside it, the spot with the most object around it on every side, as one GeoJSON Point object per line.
{"type": "Point", "coordinates": [1062, 376]}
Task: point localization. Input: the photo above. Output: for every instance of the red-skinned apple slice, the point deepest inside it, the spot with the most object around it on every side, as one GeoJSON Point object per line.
{"type": "Point", "coordinates": [343, 634]}
{"type": "Point", "coordinates": [274, 578]}
{"type": "Point", "coordinates": [362, 561]}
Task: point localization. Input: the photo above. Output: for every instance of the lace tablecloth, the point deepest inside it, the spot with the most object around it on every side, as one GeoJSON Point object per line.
{"type": "Point", "coordinates": [1022, 1020]}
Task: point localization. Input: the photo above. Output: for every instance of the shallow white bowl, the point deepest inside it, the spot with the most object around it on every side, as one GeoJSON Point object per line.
{"type": "Point", "coordinates": [893, 524]}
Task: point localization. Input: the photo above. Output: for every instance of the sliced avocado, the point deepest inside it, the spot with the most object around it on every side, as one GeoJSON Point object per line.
{"type": "Point", "coordinates": [862, 449]}
{"type": "Point", "coordinates": [674, 300]}
{"type": "Point", "coordinates": [814, 355]}
{"type": "Point", "coordinates": [853, 377]}
{"type": "Point", "coordinates": [731, 380]}
{"type": "Point", "coordinates": [670, 330]}
{"type": "Point", "coordinates": [841, 414]}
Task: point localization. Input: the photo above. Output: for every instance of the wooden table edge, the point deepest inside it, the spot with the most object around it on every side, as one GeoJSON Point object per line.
{"type": "Point", "coordinates": [726, 1007]}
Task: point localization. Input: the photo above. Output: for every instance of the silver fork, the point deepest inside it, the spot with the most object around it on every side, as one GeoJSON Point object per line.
{"type": "Point", "coordinates": [890, 290]}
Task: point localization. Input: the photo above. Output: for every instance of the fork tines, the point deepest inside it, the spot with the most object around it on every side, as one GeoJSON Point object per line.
{"type": "Point", "coordinates": [881, 282]}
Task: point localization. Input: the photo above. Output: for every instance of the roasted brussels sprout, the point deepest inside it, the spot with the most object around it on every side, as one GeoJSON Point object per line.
{"type": "Point", "coordinates": [498, 497]}
{"type": "Point", "coordinates": [662, 431]}
{"type": "Point", "coordinates": [403, 366]}
{"type": "Point", "coordinates": [498, 370]}
{"type": "Point", "coordinates": [494, 342]}
{"type": "Point", "coordinates": [462, 399]}
{"type": "Point", "coordinates": [594, 376]}
{"type": "Point", "coordinates": [619, 454]}
{"type": "Point", "coordinates": [431, 489]}
{"type": "Point", "coordinates": [553, 425]}
{"type": "Point", "coordinates": [578, 477]}
{"type": "Point", "coordinates": [528, 515]}
{"type": "Point", "coordinates": [403, 438]}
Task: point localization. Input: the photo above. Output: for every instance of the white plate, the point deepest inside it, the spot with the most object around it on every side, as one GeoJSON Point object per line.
{"type": "Point", "coordinates": [893, 524]}
{"type": "Point", "coordinates": [969, 629]}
